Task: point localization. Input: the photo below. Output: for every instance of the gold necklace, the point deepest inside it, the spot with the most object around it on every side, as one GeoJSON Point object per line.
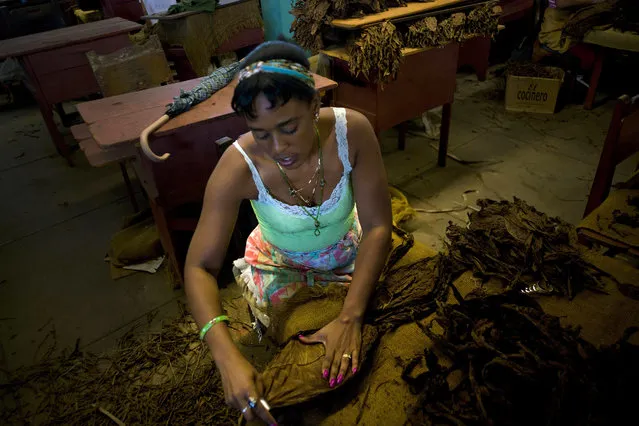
{"type": "Point", "coordinates": [322, 183]}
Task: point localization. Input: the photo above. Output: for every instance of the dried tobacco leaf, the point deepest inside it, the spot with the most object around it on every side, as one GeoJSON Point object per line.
{"type": "Point", "coordinates": [528, 251]}
{"type": "Point", "coordinates": [481, 21]}
{"type": "Point", "coordinates": [377, 54]}
{"type": "Point", "coordinates": [500, 360]}
{"type": "Point", "coordinates": [311, 17]}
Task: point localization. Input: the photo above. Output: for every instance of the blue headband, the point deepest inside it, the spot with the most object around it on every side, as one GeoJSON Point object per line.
{"type": "Point", "coordinates": [279, 66]}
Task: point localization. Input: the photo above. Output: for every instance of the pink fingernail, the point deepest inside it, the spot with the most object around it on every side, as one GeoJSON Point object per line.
{"type": "Point", "coordinates": [325, 374]}
{"type": "Point", "coordinates": [299, 336]}
{"type": "Point", "coordinates": [354, 370]}
{"type": "Point", "coordinates": [331, 383]}
{"type": "Point", "coordinates": [340, 378]}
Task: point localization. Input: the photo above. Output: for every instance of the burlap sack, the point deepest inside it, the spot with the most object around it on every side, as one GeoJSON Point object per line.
{"type": "Point", "coordinates": [408, 292]}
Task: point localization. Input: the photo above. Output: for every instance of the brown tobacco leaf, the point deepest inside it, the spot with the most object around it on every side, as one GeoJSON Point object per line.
{"type": "Point", "coordinates": [377, 54]}
{"type": "Point", "coordinates": [479, 22]}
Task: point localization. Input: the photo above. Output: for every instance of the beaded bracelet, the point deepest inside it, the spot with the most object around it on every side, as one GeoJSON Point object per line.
{"type": "Point", "coordinates": [208, 325]}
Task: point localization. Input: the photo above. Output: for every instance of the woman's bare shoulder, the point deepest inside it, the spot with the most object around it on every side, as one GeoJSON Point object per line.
{"type": "Point", "coordinates": [232, 174]}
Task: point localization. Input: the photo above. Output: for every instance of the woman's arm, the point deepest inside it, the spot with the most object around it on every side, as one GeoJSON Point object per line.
{"type": "Point", "coordinates": [225, 190]}
{"type": "Point", "coordinates": [372, 198]}
{"type": "Point", "coordinates": [343, 335]}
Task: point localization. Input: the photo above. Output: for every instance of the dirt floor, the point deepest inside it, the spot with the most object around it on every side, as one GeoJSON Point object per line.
{"type": "Point", "coordinates": [56, 222]}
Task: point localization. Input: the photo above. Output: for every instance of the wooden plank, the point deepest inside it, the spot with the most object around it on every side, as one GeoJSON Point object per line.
{"type": "Point", "coordinates": [129, 114]}
{"type": "Point", "coordinates": [76, 34]}
{"type": "Point", "coordinates": [394, 13]}
{"type": "Point", "coordinates": [74, 56]}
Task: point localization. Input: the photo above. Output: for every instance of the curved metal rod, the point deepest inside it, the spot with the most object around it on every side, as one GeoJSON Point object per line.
{"type": "Point", "coordinates": [144, 140]}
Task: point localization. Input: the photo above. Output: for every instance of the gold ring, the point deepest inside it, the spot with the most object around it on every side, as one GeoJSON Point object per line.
{"type": "Point", "coordinates": [347, 356]}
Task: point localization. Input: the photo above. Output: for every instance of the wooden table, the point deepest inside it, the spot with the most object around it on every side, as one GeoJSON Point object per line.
{"type": "Point", "coordinates": [419, 87]}
{"type": "Point", "coordinates": [195, 139]}
{"type": "Point", "coordinates": [57, 67]}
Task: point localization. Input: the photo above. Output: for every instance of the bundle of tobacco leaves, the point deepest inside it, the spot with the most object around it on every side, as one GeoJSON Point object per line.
{"type": "Point", "coordinates": [163, 378]}
{"type": "Point", "coordinates": [527, 250]}
{"type": "Point", "coordinates": [501, 361]}
{"type": "Point", "coordinates": [428, 32]}
{"type": "Point", "coordinates": [452, 28]}
{"type": "Point", "coordinates": [312, 18]}
{"type": "Point", "coordinates": [424, 33]}
{"type": "Point", "coordinates": [482, 21]}
{"type": "Point", "coordinates": [377, 54]}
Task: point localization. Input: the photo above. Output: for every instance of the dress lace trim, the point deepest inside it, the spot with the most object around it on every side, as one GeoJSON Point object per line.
{"type": "Point", "coordinates": [332, 202]}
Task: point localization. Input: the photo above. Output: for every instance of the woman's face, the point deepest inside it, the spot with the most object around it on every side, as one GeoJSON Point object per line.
{"type": "Point", "coordinates": [285, 132]}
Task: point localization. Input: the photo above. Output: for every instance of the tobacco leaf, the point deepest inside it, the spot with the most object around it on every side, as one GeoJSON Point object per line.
{"type": "Point", "coordinates": [526, 249]}
{"type": "Point", "coordinates": [501, 361]}
{"type": "Point", "coordinates": [377, 54]}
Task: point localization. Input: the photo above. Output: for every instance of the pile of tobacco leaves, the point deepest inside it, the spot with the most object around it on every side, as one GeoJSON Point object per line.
{"type": "Point", "coordinates": [531, 69]}
{"type": "Point", "coordinates": [481, 21]}
{"type": "Point", "coordinates": [377, 54]}
{"type": "Point", "coordinates": [312, 17]}
{"type": "Point", "coordinates": [376, 51]}
{"type": "Point", "coordinates": [162, 378]}
{"type": "Point", "coordinates": [527, 250]}
{"type": "Point", "coordinates": [501, 361]}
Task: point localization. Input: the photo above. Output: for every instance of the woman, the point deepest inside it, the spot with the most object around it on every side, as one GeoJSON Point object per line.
{"type": "Point", "coordinates": [304, 168]}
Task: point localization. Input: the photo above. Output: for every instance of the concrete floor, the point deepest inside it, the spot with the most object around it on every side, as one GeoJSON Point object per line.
{"type": "Point", "coordinates": [56, 222]}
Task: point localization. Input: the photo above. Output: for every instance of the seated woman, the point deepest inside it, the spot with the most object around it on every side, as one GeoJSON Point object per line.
{"type": "Point", "coordinates": [304, 168]}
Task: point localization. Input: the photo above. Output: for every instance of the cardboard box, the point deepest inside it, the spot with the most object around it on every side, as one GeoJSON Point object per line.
{"type": "Point", "coordinates": [533, 94]}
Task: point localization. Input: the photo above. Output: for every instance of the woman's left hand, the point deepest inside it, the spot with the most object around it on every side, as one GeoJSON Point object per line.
{"type": "Point", "coordinates": [342, 339]}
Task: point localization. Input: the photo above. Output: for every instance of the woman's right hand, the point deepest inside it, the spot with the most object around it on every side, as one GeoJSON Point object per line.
{"type": "Point", "coordinates": [241, 381]}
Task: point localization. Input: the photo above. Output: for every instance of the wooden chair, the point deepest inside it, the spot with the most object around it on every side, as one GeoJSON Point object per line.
{"type": "Point", "coordinates": [621, 142]}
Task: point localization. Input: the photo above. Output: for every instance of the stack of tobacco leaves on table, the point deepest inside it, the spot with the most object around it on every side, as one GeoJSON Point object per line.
{"type": "Point", "coordinates": [312, 18]}
{"type": "Point", "coordinates": [429, 32]}
{"type": "Point", "coordinates": [501, 361]}
{"type": "Point", "coordinates": [482, 21]}
{"type": "Point", "coordinates": [163, 378]}
{"type": "Point", "coordinates": [377, 54]}
{"type": "Point", "coordinates": [527, 250]}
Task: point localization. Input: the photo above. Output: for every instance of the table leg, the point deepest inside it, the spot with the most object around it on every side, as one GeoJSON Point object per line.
{"type": "Point", "coordinates": [401, 136]}
{"type": "Point", "coordinates": [162, 223]}
{"type": "Point", "coordinates": [443, 134]}
{"type": "Point", "coordinates": [594, 78]}
{"type": "Point", "coordinates": [46, 110]}
{"type": "Point", "coordinates": [129, 187]}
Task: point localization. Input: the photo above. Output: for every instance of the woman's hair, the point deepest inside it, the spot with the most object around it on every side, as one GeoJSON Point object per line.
{"type": "Point", "coordinates": [278, 88]}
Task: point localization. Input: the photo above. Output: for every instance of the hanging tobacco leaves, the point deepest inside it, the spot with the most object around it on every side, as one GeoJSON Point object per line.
{"type": "Point", "coordinates": [482, 21]}
{"type": "Point", "coordinates": [528, 250]}
{"type": "Point", "coordinates": [429, 32]}
{"type": "Point", "coordinates": [377, 54]}
{"type": "Point", "coordinates": [424, 33]}
{"type": "Point", "coordinates": [501, 361]}
{"type": "Point", "coordinates": [312, 18]}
